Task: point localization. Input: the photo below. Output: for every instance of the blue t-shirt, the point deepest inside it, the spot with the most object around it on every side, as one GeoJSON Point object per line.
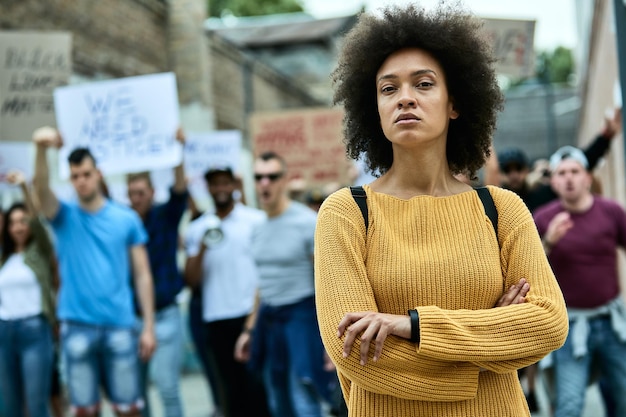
{"type": "Point", "coordinates": [94, 259]}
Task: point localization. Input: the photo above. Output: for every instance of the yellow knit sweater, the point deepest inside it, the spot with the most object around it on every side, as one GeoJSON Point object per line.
{"type": "Point", "coordinates": [439, 255]}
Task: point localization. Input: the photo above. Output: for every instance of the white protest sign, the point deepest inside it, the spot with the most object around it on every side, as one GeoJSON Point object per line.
{"type": "Point", "coordinates": [513, 44]}
{"type": "Point", "coordinates": [14, 156]}
{"type": "Point", "coordinates": [18, 156]}
{"type": "Point", "coordinates": [129, 124]}
{"type": "Point", "coordinates": [203, 151]}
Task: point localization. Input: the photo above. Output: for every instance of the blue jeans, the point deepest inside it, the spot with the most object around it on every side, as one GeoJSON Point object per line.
{"type": "Point", "coordinates": [164, 366]}
{"type": "Point", "coordinates": [288, 349]}
{"type": "Point", "coordinates": [572, 374]}
{"type": "Point", "coordinates": [289, 395]}
{"type": "Point", "coordinates": [101, 355]}
{"type": "Point", "coordinates": [25, 366]}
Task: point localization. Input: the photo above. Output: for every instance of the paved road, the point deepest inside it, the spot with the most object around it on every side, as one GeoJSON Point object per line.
{"type": "Point", "coordinates": [197, 401]}
{"type": "Point", "coordinates": [196, 398]}
{"type": "Point", "coordinates": [593, 403]}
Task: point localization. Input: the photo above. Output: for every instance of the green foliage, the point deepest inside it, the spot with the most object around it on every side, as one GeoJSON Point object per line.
{"type": "Point", "coordinates": [555, 67]}
{"type": "Point", "coordinates": [551, 67]}
{"type": "Point", "coordinates": [253, 7]}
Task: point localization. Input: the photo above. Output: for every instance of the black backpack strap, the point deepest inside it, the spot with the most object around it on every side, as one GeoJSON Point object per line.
{"type": "Point", "coordinates": [360, 197]}
{"type": "Point", "coordinates": [490, 207]}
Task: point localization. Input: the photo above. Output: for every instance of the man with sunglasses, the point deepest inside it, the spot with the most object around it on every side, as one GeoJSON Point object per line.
{"type": "Point", "coordinates": [220, 263]}
{"type": "Point", "coordinates": [281, 338]}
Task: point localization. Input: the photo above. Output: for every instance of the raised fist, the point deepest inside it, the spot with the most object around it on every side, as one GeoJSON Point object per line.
{"type": "Point", "coordinates": [16, 177]}
{"type": "Point", "coordinates": [47, 137]}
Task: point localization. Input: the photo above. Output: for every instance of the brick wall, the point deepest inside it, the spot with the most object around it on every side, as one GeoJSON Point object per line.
{"type": "Point", "coordinates": [114, 38]}
{"type": "Point", "coordinates": [121, 38]}
{"type": "Point", "coordinates": [242, 85]}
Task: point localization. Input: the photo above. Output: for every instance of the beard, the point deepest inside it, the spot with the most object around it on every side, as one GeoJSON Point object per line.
{"type": "Point", "coordinates": [224, 203]}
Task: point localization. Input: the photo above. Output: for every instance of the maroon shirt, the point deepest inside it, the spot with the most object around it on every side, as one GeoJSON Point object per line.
{"type": "Point", "coordinates": [584, 261]}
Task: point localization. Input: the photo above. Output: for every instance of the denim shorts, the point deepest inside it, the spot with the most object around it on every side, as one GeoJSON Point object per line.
{"type": "Point", "coordinates": [100, 356]}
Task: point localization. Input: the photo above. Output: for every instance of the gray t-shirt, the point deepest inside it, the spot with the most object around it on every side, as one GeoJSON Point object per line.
{"type": "Point", "coordinates": [283, 250]}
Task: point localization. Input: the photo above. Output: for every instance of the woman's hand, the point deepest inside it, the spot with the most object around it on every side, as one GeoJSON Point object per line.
{"type": "Point", "coordinates": [516, 294]}
{"type": "Point", "coordinates": [16, 177]}
{"type": "Point", "coordinates": [371, 326]}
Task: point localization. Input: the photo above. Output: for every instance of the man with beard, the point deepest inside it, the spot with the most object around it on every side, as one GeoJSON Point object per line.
{"type": "Point", "coordinates": [581, 233]}
{"type": "Point", "coordinates": [220, 260]}
{"type": "Point", "coordinates": [514, 164]}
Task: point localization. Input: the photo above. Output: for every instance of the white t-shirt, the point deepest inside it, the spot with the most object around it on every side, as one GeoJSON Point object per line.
{"type": "Point", "coordinates": [230, 277]}
{"type": "Point", "coordinates": [20, 292]}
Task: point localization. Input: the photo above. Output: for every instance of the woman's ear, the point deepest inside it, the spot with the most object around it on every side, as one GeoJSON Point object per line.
{"type": "Point", "coordinates": [453, 114]}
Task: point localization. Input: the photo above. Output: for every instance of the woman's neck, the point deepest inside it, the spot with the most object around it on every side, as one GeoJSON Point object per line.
{"type": "Point", "coordinates": [424, 173]}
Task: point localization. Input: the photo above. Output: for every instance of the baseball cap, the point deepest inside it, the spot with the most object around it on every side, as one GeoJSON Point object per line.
{"type": "Point", "coordinates": [218, 170]}
{"type": "Point", "coordinates": [568, 152]}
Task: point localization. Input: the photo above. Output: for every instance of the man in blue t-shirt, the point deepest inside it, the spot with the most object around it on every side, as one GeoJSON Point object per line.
{"type": "Point", "coordinates": [99, 244]}
{"type": "Point", "coordinates": [161, 222]}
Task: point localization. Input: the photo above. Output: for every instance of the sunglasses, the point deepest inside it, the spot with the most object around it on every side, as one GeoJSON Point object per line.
{"type": "Point", "coordinates": [272, 176]}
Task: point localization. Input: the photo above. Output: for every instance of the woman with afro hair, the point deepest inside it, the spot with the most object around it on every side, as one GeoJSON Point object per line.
{"type": "Point", "coordinates": [424, 310]}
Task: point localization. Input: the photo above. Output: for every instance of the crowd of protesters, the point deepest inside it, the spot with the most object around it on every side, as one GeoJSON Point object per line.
{"type": "Point", "coordinates": [114, 314]}
{"type": "Point", "coordinates": [295, 313]}
{"type": "Point", "coordinates": [120, 335]}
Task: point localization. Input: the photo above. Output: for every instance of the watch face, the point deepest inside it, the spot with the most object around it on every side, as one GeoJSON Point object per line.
{"type": "Point", "coordinates": [213, 236]}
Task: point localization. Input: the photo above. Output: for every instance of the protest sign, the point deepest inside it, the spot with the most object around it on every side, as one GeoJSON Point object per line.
{"type": "Point", "coordinates": [513, 45]}
{"type": "Point", "coordinates": [15, 156]}
{"type": "Point", "coordinates": [206, 150]}
{"type": "Point", "coordinates": [129, 124]}
{"type": "Point", "coordinates": [32, 65]}
{"type": "Point", "coordinates": [310, 141]}
{"type": "Point", "coordinates": [203, 151]}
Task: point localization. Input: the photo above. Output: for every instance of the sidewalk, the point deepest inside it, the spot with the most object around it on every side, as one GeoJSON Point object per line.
{"type": "Point", "coordinates": [197, 401]}
{"type": "Point", "coordinates": [195, 396]}
{"type": "Point", "coordinates": [593, 402]}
